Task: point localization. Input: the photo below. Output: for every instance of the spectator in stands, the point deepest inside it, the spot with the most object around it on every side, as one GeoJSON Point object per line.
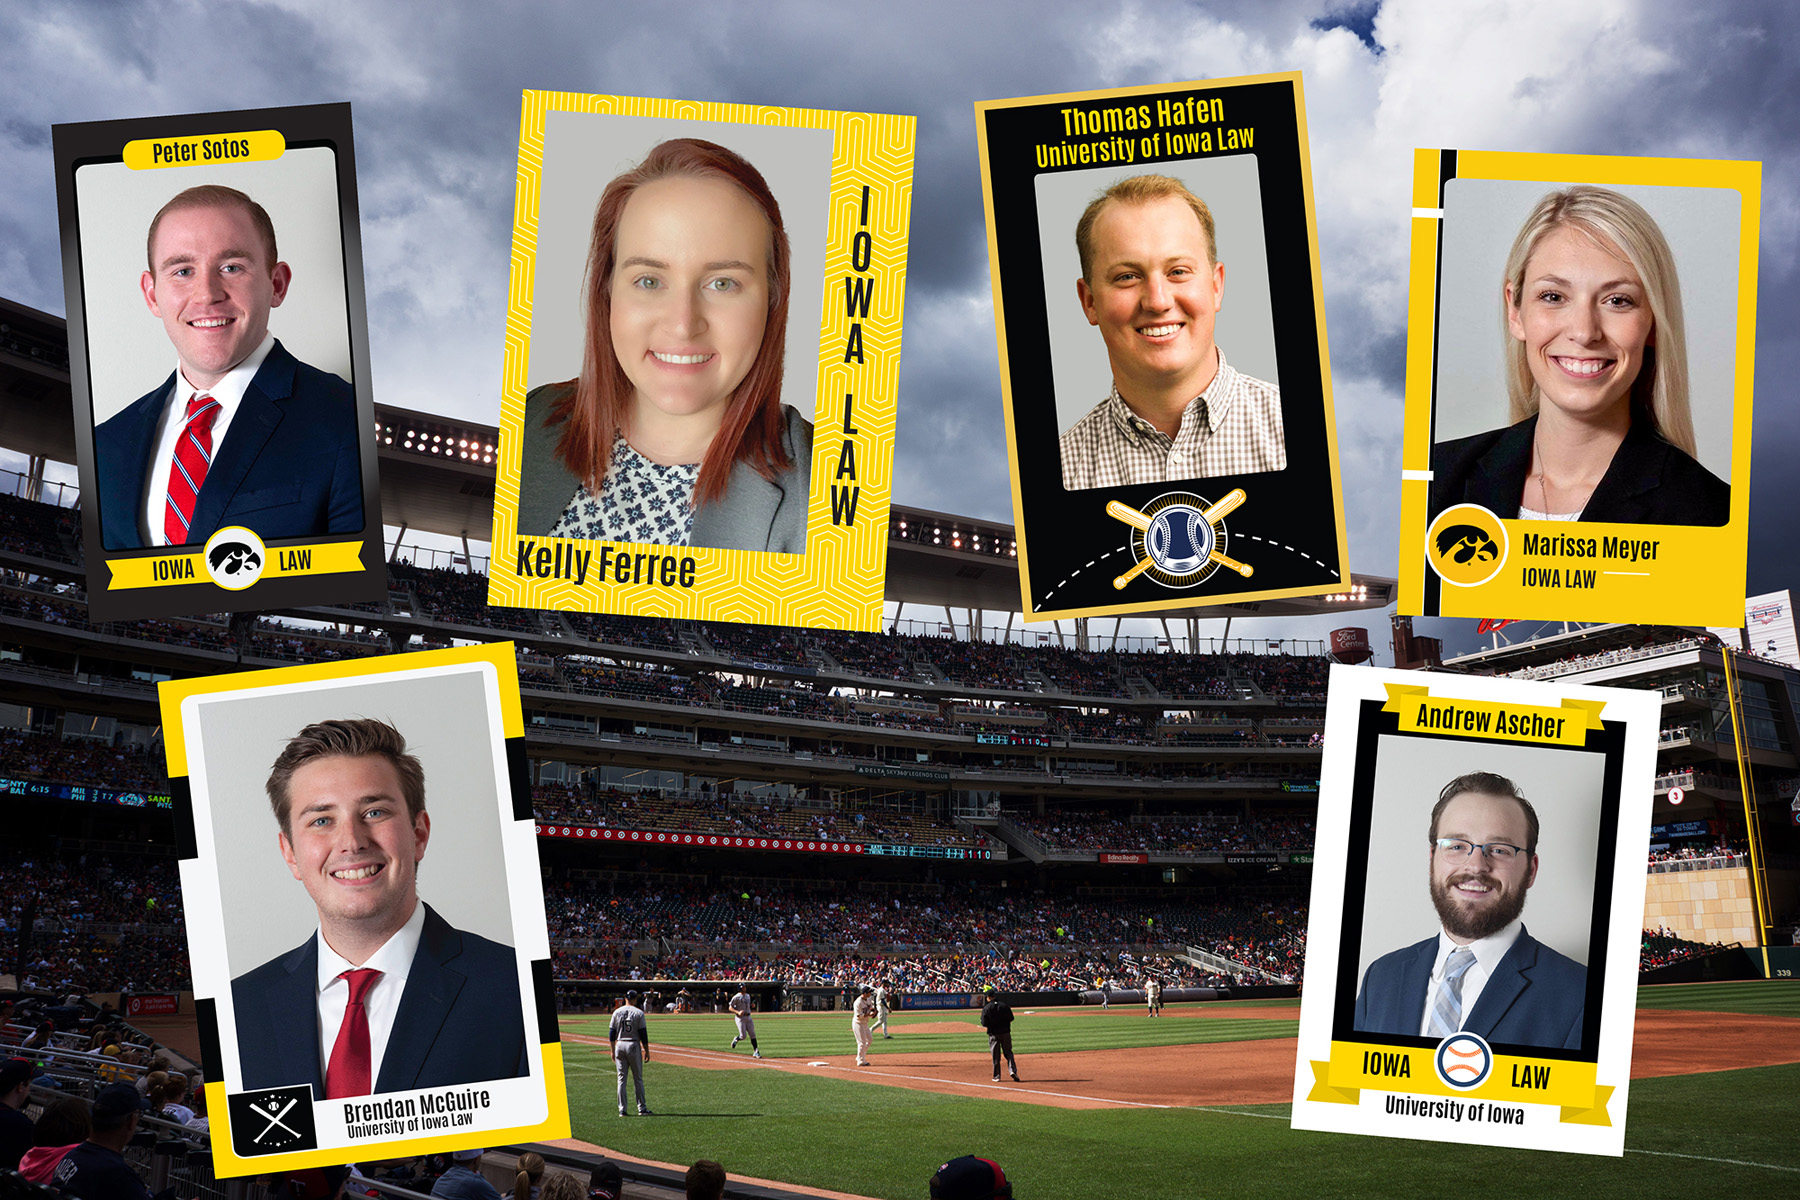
{"type": "Point", "coordinates": [606, 1182]}
{"type": "Point", "coordinates": [530, 1175]}
{"type": "Point", "coordinates": [706, 1181]}
{"type": "Point", "coordinates": [970, 1178]}
{"type": "Point", "coordinates": [64, 1126]}
{"type": "Point", "coordinates": [15, 1126]}
{"type": "Point", "coordinates": [564, 1186]}
{"type": "Point", "coordinates": [464, 1180]}
{"type": "Point", "coordinates": [96, 1169]}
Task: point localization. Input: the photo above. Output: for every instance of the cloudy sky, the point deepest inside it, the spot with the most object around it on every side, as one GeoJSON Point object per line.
{"type": "Point", "coordinates": [435, 91]}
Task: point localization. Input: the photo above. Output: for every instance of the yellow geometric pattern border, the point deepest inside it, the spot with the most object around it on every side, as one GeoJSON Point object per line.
{"type": "Point", "coordinates": [838, 582]}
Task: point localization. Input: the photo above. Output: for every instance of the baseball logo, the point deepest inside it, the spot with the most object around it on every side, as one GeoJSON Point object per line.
{"type": "Point", "coordinates": [1463, 1060]}
{"type": "Point", "coordinates": [1178, 539]}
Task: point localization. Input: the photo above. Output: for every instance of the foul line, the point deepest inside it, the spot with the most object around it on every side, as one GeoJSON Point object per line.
{"type": "Point", "coordinates": [1736, 1162]}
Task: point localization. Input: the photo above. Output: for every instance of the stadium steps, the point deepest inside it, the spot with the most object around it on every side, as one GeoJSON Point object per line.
{"type": "Point", "coordinates": [1139, 688]}
{"type": "Point", "coordinates": [693, 641]}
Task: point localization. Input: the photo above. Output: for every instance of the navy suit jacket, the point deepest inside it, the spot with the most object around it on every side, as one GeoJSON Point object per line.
{"type": "Point", "coordinates": [1535, 996]}
{"type": "Point", "coordinates": [288, 467]}
{"type": "Point", "coordinates": [459, 1018]}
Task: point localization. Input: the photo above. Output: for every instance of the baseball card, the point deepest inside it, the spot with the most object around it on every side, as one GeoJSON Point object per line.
{"type": "Point", "coordinates": [219, 360]}
{"type": "Point", "coordinates": [1580, 358]}
{"type": "Point", "coordinates": [702, 357]}
{"type": "Point", "coordinates": [1490, 1002]}
{"type": "Point", "coordinates": [1171, 440]}
{"type": "Point", "coordinates": [365, 914]}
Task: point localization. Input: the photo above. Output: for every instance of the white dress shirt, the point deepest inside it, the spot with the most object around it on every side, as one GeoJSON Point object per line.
{"type": "Point", "coordinates": [229, 391]}
{"type": "Point", "coordinates": [381, 1004]}
{"type": "Point", "coordinates": [1488, 953]}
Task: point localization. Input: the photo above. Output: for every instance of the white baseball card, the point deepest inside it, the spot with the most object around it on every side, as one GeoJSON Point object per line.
{"type": "Point", "coordinates": [1478, 894]}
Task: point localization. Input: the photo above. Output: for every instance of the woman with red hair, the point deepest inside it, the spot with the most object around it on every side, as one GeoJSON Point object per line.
{"type": "Point", "coordinates": [674, 433]}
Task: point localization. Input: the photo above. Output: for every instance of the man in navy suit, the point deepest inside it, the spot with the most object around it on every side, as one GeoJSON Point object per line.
{"type": "Point", "coordinates": [387, 995]}
{"type": "Point", "coordinates": [277, 450]}
{"type": "Point", "coordinates": [1483, 973]}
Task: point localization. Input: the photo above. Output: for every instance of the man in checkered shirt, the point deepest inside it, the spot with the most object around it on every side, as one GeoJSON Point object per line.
{"type": "Point", "coordinates": [1152, 283]}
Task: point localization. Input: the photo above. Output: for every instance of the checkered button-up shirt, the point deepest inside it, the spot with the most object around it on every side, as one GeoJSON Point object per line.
{"type": "Point", "coordinates": [1232, 428]}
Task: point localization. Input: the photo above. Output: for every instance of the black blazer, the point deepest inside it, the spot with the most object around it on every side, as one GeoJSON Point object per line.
{"type": "Point", "coordinates": [459, 1018]}
{"type": "Point", "coordinates": [1649, 482]}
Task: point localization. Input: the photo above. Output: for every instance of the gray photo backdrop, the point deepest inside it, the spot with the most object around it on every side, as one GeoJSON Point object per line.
{"type": "Point", "coordinates": [129, 352]}
{"type": "Point", "coordinates": [447, 723]}
{"type": "Point", "coordinates": [1245, 330]}
{"type": "Point", "coordinates": [1564, 786]}
{"type": "Point", "coordinates": [1481, 219]}
{"type": "Point", "coordinates": [583, 152]}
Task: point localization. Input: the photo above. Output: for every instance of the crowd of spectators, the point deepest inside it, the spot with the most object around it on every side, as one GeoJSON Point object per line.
{"type": "Point", "coordinates": [1662, 947]}
{"type": "Point", "coordinates": [1081, 831]}
{"type": "Point", "coordinates": [802, 918]}
{"type": "Point", "coordinates": [1692, 852]}
{"type": "Point", "coordinates": [28, 527]}
{"type": "Point", "coordinates": [128, 767]}
{"type": "Point", "coordinates": [67, 892]}
{"type": "Point", "coordinates": [707, 811]}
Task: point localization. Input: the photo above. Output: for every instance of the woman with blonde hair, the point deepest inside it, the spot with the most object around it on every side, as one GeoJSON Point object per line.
{"type": "Point", "coordinates": [1596, 378]}
{"type": "Point", "coordinates": [674, 433]}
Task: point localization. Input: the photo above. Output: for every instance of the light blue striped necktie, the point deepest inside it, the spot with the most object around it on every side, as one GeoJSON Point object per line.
{"type": "Point", "coordinates": [1446, 1013]}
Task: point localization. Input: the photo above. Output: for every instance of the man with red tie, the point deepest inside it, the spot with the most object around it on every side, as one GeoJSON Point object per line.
{"type": "Point", "coordinates": [242, 433]}
{"type": "Point", "coordinates": [387, 995]}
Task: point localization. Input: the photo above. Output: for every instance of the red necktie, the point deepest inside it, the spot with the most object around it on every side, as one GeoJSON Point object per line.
{"type": "Point", "coordinates": [348, 1072]}
{"type": "Point", "coordinates": [187, 473]}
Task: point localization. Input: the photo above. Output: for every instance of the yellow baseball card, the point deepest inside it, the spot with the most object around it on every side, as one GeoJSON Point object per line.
{"type": "Point", "coordinates": [1580, 355]}
{"type": "Point", "coordinates": [365, 914]}
{"type": "Point", "coordinates": [702, 353]}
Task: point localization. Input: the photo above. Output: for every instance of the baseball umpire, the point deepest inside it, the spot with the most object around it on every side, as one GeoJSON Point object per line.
{"type": "Point", "coordinates": [997, 1019]}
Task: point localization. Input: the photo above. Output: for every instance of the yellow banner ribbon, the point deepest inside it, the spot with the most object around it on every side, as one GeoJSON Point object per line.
{"type": "Point", "coordinates": [1564, 725]}
{"type": "Point", "coordinates": [165, 570]}
{"type": "Point", "coordinates": [1511, 1079]}
{"type": "Point", "coordinates": [206, 149]}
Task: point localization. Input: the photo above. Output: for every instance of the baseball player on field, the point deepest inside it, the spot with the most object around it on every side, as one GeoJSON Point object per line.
{"type": "Point", "coordinates": [630, 1038]}
{"type": "Point", "coordinates": [1153, 996]}
{"type": "Point", "coordinates": [881, 1010]}
{"type": "Point", "coordinates": [861, 1013]}
{"type": "Point", "coordinates": [746, 1024]}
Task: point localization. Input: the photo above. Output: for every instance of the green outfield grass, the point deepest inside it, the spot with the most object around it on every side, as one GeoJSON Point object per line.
{"type": "Point", "coordinates": [1728, 1133]}
{"type": "Point", "coordinates": [1768, 998]}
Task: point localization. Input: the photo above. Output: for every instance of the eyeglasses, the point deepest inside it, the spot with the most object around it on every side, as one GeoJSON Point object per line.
{"type": "Point", "coordinates": [1458, 849]}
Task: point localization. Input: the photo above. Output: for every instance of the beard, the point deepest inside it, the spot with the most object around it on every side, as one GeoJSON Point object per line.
{"type": "Point", "coordinates": [1477, 923]}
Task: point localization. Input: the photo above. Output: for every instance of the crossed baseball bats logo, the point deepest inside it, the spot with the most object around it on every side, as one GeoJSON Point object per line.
{"type": "Point", "coordinates": [1212, 516]}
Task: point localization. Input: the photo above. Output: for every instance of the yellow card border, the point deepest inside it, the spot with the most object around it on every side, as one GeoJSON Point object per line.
{"type": "Point", "coordinates": [838, 583]}
{"type": "Point", "coordinates": [1705, 580]}
{"type": "Point", "coordinates": [172, 695]}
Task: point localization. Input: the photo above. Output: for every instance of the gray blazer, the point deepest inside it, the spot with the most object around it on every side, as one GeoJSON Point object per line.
{"type": "Point", "coordinates": [754, 514]}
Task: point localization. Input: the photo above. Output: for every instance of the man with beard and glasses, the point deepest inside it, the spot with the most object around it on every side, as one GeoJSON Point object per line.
{"type": "Point", "coordinates": [1482, 973]}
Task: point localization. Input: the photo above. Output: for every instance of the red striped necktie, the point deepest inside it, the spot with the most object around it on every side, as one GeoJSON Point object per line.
{"type": "Point", "coordinates": [187, 473]}
{"type": "Point", "coordinates": [347, 1074]}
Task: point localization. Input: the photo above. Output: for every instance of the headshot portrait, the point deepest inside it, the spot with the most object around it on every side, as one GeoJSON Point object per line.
{"type": "Point", "coordinates": [668, 404]}
{"type": "Point", "coordinates": [360, 839]}
{"type": "Point", "coordinates": [1586, 369]}
{"type": "Point", "coordinates": [1494, 939]}
{"type": "Point", "coordinates": [386, 994]}
{"type": "Point", "coordinates": [1155, 398]}
{"type": "Point", "coordinates": [220, 396]}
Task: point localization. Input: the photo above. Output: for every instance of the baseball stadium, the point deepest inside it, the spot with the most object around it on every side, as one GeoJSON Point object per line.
{"type": "Point", "coordinates": [957, 807]}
